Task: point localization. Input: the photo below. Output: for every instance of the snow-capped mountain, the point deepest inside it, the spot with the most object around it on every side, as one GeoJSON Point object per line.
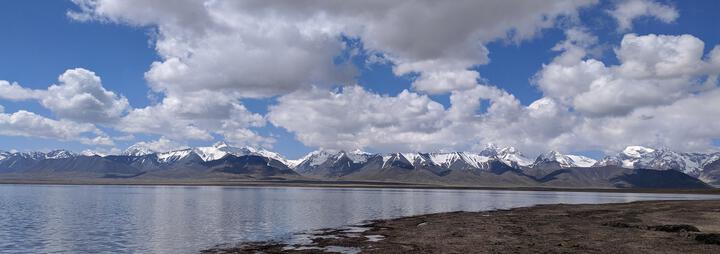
{"type": "Point", "coordinates": [206, 154]}
{"type": "Point", "coordinates": [138, 149]}
{"type": "Point", "coordinates": [89, 152]}
{"type": "Point", "coordinates": [564, 161]}
{"type": "Point", "coordinates": [55, 154]}
{"type": "Point", "coordinates": [140, 160]}
{"type": "Point", "coordinates": [322, 156]}
{"type": "Point", "coordinates": [222, 149]}
{"type": "Point", "coordinates": [505, 164]}
{"type": "Point", "coordinates": [460, 160]}
{"type": "Point", "coordinates": [4, 155]}
{"type": "Point", "coordinates": [491, 167]}
{"type": "Point", "coordinates": [334, 162]}
{"type": "Point", "coordinates": [509, 155]}
{"type": "Point", "coordinates": [325, 162]}
{"type": "Point", "coordinates": [338, 163]}
{"type": "Point", "coordinates": [59, 154]}
{"type": "Point", "coordinates": [663, 159]}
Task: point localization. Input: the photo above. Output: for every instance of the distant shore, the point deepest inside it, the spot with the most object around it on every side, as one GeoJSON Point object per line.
{"type": "Point", "coordinates": [328, 184]}
{"type": "Point", "coordinates": [638, 227]}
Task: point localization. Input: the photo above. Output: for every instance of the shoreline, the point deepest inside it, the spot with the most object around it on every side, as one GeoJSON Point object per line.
{"type": "Point", "coordinates": [635, 227]}
{"type": "Point", "coordinates": [335, 184]}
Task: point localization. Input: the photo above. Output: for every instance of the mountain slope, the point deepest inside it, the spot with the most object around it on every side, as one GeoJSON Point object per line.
{"type": "Point", "coordinates": [692, 164]}
{"type": "Point", "coordinates": [634, 167]}
{"type": "Point", "coordinates": [82, 166]}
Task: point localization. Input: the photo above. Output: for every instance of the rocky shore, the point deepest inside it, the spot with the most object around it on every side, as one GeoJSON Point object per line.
{"type": "Point", "coordinates": [638, 227]}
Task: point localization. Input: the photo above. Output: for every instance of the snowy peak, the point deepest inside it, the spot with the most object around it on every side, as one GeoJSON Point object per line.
{"type": "Point", "coordinates": [317, 158]}
{"type": "Point", "coordinates": [357, 156]}
{"type": "Point", "coordinates": [512, 157]}
{"type": "Point", "coordinates": [565, 161]}
{"type": "Point", "coordinates": [138, 149]}
{"type": "Point", "coordinates": [637, 151]}
{"type": "Point", "coordinates": [4, 155]}
{"type": "Point", "coordinates": [56, 154]}
{"type": "Point", "coordinates": [320, 157]}
{"type": "Point", "coordinates": [449, 159]}
{"type": "Point", "coordinates": [89, 152]}
{"type": "Point", "coordinates": [220, 144]}
{"type": "Point", "coordinates": [59, 154]}
{"type": "Point", "coordinates": [660, 159]}
{"type": "Point", "coordinates": [209, 153]}
{"type": "Point", "coordinates": [222, 149]}
{"type": "Point", "coordinates": [173, 156]}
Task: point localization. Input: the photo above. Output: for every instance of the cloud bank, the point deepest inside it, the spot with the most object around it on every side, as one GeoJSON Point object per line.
{"type": "Point", "coordinates": [214, 54]}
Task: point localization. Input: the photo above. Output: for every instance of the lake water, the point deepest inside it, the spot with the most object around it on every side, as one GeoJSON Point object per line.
{"type": "Point", "coordinates": [175, 219]}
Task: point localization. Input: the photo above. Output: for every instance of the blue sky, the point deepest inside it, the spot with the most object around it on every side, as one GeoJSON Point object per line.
{"type": "Point", "coordinates": [41, 41]}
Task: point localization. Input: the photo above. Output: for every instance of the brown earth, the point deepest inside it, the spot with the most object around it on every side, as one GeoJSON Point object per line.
{"type": "Point", "coordinates": [638, 227]}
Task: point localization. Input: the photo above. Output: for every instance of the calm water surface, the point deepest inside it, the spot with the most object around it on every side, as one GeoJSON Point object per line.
{"type": "Point", "coordinates": [171, 219]}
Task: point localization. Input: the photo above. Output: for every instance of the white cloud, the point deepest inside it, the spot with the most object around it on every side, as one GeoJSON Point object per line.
{"type": "Point", "coordinates": [355, 118]}
{"type": "Point", "coordinates": [79, 96]}
{"type": "Point", "coordinates": [190, 115]}
{"type": "Point", "coordinates": [654, 70]}
{"type": "Point", "coordinates": [196, 116]}
{"type": "Point", "coordinates": [28, 124]}
{"type": "Point", "coordinates": [588, 106]}
{"type": "Point", "coordinates": [439, 82]}
{"type": "Point", "coordinates": [682, 125]}
{"type": "Point", "coordinates": [214, 53]}
{"type": "Point", "coordinates": [13, 91]}
{"type": "Point", "coordinates": [657, 95]}
{"type": "Point", "coordinates": [627, 11]}
{"type": "Point", "coordinates": [265, 48]}
{"type": "Point", "coordinates": [98, 141]}
{"type": "Point", "coordinates": [161, 145]}
{"type": "Point", "coordinates": [661, 56]}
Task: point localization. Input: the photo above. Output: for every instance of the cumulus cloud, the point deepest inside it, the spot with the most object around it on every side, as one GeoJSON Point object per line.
{"type": "Point", "coordinates": [79, 96]}
{"type": "Point", "coordinates": [13, 91]}
{"type": "Point", "coordinates": [265, 48]}
{"type": "Point", "coordinates": [588, 105]}
{"type": "Point", "coordinates": [28, 124]}
{"type": "Point", "coordinates": [191, 115]}
{"type": "Point", "coordinates": [654, 70]}
{"type": "Point", "coordinates": [98, 141]}
{"type": "Point", "coordinates": [625, 12]}
{"type": "Point", "coordinates": [656, 96]}
{"type": "Point", "coordinates": [682, 125]}
{"type": "Point", "coordinates": [79, 99]}
{"type": "Point", "coordinates": [355, 118]}
{"type": "Point", "coordinates": [215, 53]}
{"type": "Point", "coordinates": [161, 145]}
{"type": "Point", "coordinates": [196, 116]}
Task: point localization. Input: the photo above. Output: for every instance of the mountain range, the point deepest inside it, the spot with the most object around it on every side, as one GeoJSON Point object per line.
{"type": "Point", "coordinates": [634, 167]}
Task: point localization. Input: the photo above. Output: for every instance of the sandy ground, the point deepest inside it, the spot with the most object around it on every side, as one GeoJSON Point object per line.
{"type": "Point", "coordinates": [639, 227]}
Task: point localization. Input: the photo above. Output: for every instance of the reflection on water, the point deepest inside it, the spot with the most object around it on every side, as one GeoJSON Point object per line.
{"type": "Point", "coordinates": [162, 219]}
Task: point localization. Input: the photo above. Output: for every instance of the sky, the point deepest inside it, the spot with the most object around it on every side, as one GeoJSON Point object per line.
{"type": "Point", "coordinates": [585, 77]}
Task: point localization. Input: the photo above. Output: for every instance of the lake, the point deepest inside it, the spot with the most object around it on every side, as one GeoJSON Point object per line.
{"type": "Point", "coordinates": [179, 219]}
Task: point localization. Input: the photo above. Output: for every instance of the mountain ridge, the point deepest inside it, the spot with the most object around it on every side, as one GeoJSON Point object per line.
{"type": "Point", "coordinates": [490, 166]}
